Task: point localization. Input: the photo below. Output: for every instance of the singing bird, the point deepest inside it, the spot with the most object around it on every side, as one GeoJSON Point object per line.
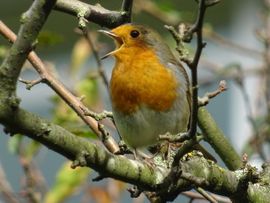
{"type": "Point", "coordinates": [149, 87]}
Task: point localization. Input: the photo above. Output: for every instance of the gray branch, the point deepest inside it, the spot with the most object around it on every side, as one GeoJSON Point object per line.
{"type": "Point", "coordinates": [193, 170]}
{"type": "Point", "coordinates": [96, 14]}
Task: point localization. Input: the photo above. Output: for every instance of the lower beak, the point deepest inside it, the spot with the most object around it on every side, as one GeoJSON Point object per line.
{"type": "Point", "coordinates": [115, 37]}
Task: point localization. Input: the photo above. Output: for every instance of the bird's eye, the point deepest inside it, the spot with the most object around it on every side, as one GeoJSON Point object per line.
{"type": "Point", "coordinates": [134, 33]}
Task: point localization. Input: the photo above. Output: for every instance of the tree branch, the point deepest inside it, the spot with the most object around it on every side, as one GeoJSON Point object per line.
{"type": "Point", "coordinates": [127, 7]}
{"type": "Point", "coordinates": [168, 186]}
{"type": "Point", "coordinates": [100, 67]}
{"type": "Point", "coordinates": [216, 138]}
{"type": "Point", "coordinates": [95, 14]}
{"type": "Point", "coordinates": [207, 196]}
{"type": "Point", "coordinates": [5, 189]}
{"type": "Point", "coordinates": [211, 177]}
{"type": "Point", "coordinates": [185, 35]}
{"type": "Point", "coordinates": [194, 195]}
{"type": "Point", "coordinates": [60, 89]}
{"type": "Point", "coordinates": [197, 28]}
{"type": "Point", "coordinates": [203, 101]}
{"type": "Point", "coordinates": [242, 185]}
{"type": "Point", "coordinates": [32, 22]}
{"type": "Point", "coordinates": [84, 153]}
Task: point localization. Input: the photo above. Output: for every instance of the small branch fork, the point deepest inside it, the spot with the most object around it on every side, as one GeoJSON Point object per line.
{"type": "Point", "coordinates": [59, 88]}
{"type": "Point", "coordinates": [31, 83]}
{"type": "Point", "coordinates": [196, 28]}
{"type": "Point", "coordinates": [96, 14]}
{"type": "Point", "coordinates": [185, 35]}
{"type": "Point", "coordinates": [206, 98]}
{"type": "Point", "coordinates": [98, 116]}
{"type": "Point", "coordinates": [203, 101]}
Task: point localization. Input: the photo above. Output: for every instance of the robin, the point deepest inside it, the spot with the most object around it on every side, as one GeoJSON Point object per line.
{"type": "Point", "coordinates": [149, 87]}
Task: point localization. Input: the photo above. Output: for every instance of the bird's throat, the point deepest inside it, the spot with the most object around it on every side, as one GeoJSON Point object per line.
{"type": "Point", "coordinates": [139, 79]}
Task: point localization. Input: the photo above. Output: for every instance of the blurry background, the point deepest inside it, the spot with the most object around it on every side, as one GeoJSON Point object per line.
{"type": "Point", "coordinates": [232, 50]}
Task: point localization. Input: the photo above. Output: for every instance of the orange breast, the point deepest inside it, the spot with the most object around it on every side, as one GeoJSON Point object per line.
{"type": "Point", "coordinates": [139, 78]}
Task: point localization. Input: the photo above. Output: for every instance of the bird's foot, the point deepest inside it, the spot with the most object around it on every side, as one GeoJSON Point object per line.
{"type": "Point", "coordinates": [145, 158]}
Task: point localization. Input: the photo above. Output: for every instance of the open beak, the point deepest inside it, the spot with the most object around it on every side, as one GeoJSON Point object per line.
{"type": "Point", "coordinates": [118, 40]}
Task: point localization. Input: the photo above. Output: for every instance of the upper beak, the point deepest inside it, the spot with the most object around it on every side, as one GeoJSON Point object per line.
{"type": "Point", "coordinates": [115, 37]}
{"type": "Point", "coordinates": [106, 32]}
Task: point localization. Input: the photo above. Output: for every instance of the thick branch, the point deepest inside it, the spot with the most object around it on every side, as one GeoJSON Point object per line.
{"type": "Point", "coordinates": [32, 22]}
{"type": "Point", "coordinates": [215, 137]}
{"type": "Point", "coordinates": [80, 150]}
{"type": "Point", "coordinates": [95, 14]}
{"type": "Point", "coordinates": [197, 170]}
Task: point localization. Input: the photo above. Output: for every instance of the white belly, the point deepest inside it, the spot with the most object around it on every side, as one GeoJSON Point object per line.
{"type": "Point", "coordinates": [143, 127]}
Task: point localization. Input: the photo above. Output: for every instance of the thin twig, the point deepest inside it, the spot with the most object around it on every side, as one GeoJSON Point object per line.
{"type": "Point", "coordinates": [181, 37]}
{"type": "Point", "coordinates": [209, 95]}
{"type": "Point", "coordinates": [151, 8]}
{"type": "Point", "coordinates": [5, 188]}
{"type": "Point", "coordinates": [252, 120]}
{"type": "Point", "coordinates": [193, 65]}
{"type": "Point", "coordinates": [219, 39]}
{"type": "Point", "coordinates": [31, 83]}
{"type": "Point", "coordinates": [228, 72]}
{"type": "Point", "coordinates": [260, 129]}
{"type": "Point", "coordinates": [60, 89]}
{"type": "Point", "coordinates": [96, 14]}
{"type": "Point", "coordinates": [206, 195]}
{"type": "Point", "coordinates": [30, 186]}
{"type": "Point", "coordinates": [196, 28]}
{"type": "Point", "coordinates": [96, 56]}
{"type": "Point", "coordinates": [35, 185]}
{"type": "Point", "coordinates": [105, 134]}
{"type": "Point", "coordinates": [185, 35]}
{"type": "Point", "coordinates": [195, 195]}
{"type": "Point", "coordinates": [98, 116]}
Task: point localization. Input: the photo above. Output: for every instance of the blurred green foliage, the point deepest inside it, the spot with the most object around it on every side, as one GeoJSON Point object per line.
{"type": "Point", "coordinates": [67, 182]}
{"type": "Point", "coordinates": [49, 38]}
